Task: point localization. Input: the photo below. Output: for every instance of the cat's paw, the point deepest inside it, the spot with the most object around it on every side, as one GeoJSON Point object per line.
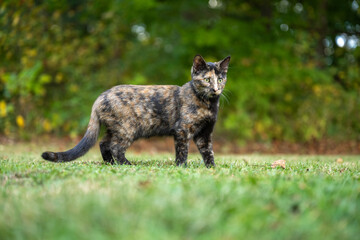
{"type": "Point", "coordinates": [181, 164]}
{"type": "Point", "coordinates": [210, 165]}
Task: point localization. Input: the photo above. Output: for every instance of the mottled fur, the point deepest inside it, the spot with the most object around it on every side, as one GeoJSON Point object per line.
{"type": "Point", "coordinates": [129, 112]}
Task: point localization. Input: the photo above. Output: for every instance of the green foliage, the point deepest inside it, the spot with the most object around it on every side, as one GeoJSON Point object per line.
{"type": "Point", "coordinates": [242, 198]}
{"type": "Point", "coordinates": [288, 79]}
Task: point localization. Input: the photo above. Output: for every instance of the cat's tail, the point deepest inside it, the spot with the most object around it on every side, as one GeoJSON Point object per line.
{"type": "Point", "coordinates": [82, 147]}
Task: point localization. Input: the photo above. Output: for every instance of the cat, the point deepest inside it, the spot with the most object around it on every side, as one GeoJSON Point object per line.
{"type": "Point", "coordinates": [130, 112]}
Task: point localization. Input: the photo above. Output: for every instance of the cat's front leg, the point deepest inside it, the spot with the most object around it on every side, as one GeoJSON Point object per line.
{"type": "Point", "coordinates": [204, 144]}
{"type": "Point", "coordinates": [181, 139]}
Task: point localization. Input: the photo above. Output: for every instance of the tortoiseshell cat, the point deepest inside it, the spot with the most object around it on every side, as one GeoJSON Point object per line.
{"type": "Point", "coordinates": [129, 112]}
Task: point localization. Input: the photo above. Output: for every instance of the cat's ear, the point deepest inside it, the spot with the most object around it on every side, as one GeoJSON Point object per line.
{"type": "Point", "coordinates": [224, 64]}
{"type": "Point", "coordinates": [199, 64]}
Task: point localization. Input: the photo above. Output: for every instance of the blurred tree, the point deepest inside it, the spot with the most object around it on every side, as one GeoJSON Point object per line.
{"type": "Point", "coordinates": [294, 75]}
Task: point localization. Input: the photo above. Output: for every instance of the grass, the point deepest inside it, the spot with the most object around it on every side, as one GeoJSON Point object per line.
{"type": "Point", "coordinates": [242, 198]}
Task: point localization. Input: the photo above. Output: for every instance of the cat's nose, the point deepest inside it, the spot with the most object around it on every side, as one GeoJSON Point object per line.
{"type": "Point", "coordinates": [216, 91]}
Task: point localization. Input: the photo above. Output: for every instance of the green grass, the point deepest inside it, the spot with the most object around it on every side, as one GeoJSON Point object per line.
{"type": "Point", "coordinates": [242, 198]}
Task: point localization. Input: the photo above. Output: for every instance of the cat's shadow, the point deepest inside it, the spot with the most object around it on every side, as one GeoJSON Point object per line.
{"type": "Point", "coordinates": [147, 163]}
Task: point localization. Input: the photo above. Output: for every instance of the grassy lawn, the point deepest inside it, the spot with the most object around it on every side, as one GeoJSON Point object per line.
{"type": "Point", "coordinates": [242, 198]}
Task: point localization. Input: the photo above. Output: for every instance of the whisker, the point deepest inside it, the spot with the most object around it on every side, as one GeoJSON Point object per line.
{"type": "Point", "coordinates": [225, 94]}
{"type": "Point", "coordinates": [204, 95]}
{"type": "Point", "coordinates": [227, 91]}
{"type": "Point", "coordinates": [226, 98]}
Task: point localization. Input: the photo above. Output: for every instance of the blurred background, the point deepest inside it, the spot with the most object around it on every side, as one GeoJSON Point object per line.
{"type": "Point", "coordinates": [294, 76]}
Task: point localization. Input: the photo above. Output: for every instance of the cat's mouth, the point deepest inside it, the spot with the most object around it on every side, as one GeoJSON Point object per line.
{"type": "Point", "coordinates": [217, 93]}
{"type": "Point", "coordinates": [213, 94]}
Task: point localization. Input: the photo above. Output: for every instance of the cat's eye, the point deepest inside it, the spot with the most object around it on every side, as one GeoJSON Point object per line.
{"type": "Point", "coordinates": [207, 80]}
{"type": "Point", "coordinates": [220, 80]}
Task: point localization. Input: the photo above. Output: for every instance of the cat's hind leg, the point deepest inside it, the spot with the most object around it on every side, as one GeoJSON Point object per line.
{"type": "Point", "coordinates": [118, 148]}
{"type": "Point", "coordinates": [105, 148]}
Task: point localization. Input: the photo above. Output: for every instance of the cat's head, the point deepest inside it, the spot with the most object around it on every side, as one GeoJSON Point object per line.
{"type": "Point", "coordinates": [209, 78]}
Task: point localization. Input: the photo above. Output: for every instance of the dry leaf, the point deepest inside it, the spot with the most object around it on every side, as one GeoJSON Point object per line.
{"type": "Point", "coordinates": [145, 183]}
{"type": "Point", "coordinates": [280, 162]}
{"type": "Point", "coordinates": [339, 160]}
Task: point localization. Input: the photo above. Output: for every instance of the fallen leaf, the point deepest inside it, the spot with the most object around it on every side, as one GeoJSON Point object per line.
{"type": "Point", "coordinates": [280, 162]}
{"type": "Point", "coordinates": [145, 183]}
{"type": "Point", "coordinates": [339, 160]}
